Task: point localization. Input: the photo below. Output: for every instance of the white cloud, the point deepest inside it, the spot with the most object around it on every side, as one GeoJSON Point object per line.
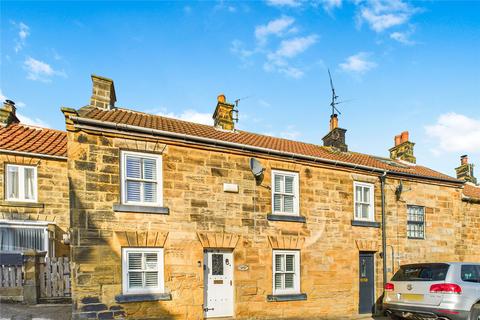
{"type": "Point", "coordinates": [2, 96]}
{"type": "Point", "coordinates": [279, 60]}
{"type": "Point", "coordinates": [329, 5]}
{"type": "Point", "coordinates": [384, 14]}
{"type": "Point", "coordinates": [23, 33]}
{"type": "Point", "coordinates": [455, 132]}
{"type": "Point", "coordinates": [40, 71]}
{"type": "Point", "coordinates": [358, 63]}
{"type": "Point", "coordinates": [264, 103]}
{"type": "Point", "coordinates": [284, 3]}
{"type": "Point", "coordinates": [277, 27]}
{"type": "Point", "coordinates": [238, 48]}
{"type": "Point", "coordinates": [189, 115]}
{"type": "Point", "coordinates": [402, 37]}
{"type": "Point", "coordinates": [32, 121]}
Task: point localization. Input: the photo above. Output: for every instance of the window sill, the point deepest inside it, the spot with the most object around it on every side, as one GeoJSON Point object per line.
{"type": "Point", "coordinates": [126, 298]}
{"type": "Point", "coordinates": [140, 209]}
{"type": "Point", "coordinates": [281, 217]}
{"type": "Point", "coordinates": [360, 223]}
{"type": "Point", "coordinates": [286, 297]}
{"type": "Point", "coordinates": [25, 204]}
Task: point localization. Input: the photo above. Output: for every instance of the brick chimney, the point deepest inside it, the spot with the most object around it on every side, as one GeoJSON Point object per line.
{"type": "Point", "coordinates": [8, 113]}
{"type": "Point", "coordinates": [465, 171]}
{"type": "Point", "coordinates": [103, 93]}
{"type": "Point", "coordinates": [223, 115]}
{"type": "Point", "coordinates": [403, 148]}
{"type": "Point", "coordinates": [336, 137]}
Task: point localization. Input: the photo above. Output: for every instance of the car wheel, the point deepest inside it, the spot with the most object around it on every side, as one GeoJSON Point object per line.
{"type": "Point", "coordinates": [475, 312]}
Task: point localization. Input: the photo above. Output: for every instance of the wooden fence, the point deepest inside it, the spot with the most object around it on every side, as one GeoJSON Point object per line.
{"type": "Point", "coordinates": [54, 277]}
{"type": "Point", "coordinates": [11, 276]}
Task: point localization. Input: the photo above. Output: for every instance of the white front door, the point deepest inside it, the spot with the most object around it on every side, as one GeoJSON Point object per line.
{"type": "Point", "coordinates": [218, 278]}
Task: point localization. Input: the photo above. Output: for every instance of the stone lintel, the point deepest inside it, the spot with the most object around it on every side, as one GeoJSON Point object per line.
{"type": "Point", "coordinates": [141, 238]}
{"type": "Point", "coordinates": [367, 245]}
{"type": "Point", "coordinates": [286, 242]}
{"type": "Point", "coordinates": [218, 239]}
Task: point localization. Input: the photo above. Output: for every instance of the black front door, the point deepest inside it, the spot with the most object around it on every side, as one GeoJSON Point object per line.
{"type": "Point", "coordinates": [366, 278]}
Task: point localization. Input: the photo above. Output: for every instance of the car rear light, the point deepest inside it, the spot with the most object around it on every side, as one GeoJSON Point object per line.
{"type": "Point", "coordinates": [445, 288]}
{"type": "Point", "coordinates": [389, 286]}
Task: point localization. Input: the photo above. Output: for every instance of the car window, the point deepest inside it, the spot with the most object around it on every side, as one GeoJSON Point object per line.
{"type": "Point", "coordinates": [422, 272]}
{"type": "Point", "coordinates": [470, 273]}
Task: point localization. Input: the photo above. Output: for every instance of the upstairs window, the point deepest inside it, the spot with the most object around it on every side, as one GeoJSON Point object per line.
{"type": "Point", "coordinates": [142, 270]}
{"type": "Point", "coordinates": [285, 193]}
{"type": "Point", "coordinates": [364, 203]}
{"type": "Point", "coordinates": [141, 179]}
{"type": "Point", "coordinates": [415, 222]}
{"type": "Point", "coordinates": [21, 183]}
{"type": "Point", "coordinates": [286, 271]}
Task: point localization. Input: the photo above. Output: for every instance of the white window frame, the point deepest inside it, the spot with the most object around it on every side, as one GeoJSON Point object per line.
{"type": "Point", "coordinates": [21, 183]}
{"type": "Point", "coordinates": [296, 192]}
{"type": "Point", "coordinates": [160, 269]}
{"type": "Point", "coordinates": [296, 278]}
{"type": "Point", "coordinates": [49, 247]}
{"type": "Point", "coordinates": [371, 186]}
{"type": "Point", "coordinates": [158, 159]}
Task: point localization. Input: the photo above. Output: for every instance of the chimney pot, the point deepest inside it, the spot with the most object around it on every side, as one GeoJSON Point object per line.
{"type": "Point", "coordinates": [8, 113]}
{"type": "Point", "coordinates": [398, 140]}
{"type": "Point", "coordinates": [404, 136]}
{"type": "Point", "coordinates": [464, 159]}
{"type": "Point", "coordinates": [333, 121]}
{"type": "Point", "coordinates": [221, 98]}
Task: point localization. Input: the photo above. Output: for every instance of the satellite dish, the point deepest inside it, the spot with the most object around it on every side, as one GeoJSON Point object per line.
{"type": "Point", "coordinates": [256, 167]}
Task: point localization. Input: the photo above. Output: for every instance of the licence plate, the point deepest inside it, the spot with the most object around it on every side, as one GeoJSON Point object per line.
{"type": "Point", "coordinates": [412, 297]}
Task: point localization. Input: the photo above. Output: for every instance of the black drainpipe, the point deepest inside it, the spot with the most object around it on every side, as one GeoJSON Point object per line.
{"type": "Point", "coordinates": [384, 229]}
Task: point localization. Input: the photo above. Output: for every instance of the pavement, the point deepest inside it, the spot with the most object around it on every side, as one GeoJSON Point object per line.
{"type": "Point", "coordinates": [16, 311]}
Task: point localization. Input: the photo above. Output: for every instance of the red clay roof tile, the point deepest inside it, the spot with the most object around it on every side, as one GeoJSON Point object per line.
{"type": "Point", "coordinates": [25, 138]}
{"type": "Point", "coordinates": [134, 118]}
{"type": "Point", "coordinates": [471, 191]}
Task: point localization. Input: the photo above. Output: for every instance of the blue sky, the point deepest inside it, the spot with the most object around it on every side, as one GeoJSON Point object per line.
{"type": "Point", "coordinates": [402, 65]}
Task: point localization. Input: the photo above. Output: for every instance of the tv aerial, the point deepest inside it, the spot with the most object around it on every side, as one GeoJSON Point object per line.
{"type": "Point", "coordinates": [334, 102]}
{"type": "Point", "coordinates": [235, 108]}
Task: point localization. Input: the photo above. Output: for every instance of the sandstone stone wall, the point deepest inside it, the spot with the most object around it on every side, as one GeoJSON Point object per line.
{"type": "Point", "coordinates": [202, 215]}
{"type": "Point", "coordinates": [53, 197]}
{"type": "Point", "coordinates": [469, 242]}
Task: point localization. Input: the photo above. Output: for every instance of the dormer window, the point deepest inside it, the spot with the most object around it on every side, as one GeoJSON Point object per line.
{"type": "Point", "coordinates": [21, 183]}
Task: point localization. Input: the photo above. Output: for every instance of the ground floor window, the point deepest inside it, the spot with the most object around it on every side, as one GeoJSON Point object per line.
{"type": "Point", "coordinates": [286, 271]}
{"type": "Point", "coordinates": [142, 270]}
{"type": "Point", "coordinates": [22, 236]}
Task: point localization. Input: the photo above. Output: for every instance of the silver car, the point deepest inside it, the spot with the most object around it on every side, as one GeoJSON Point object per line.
{"type": "Point", "coordinates": [434, 291]}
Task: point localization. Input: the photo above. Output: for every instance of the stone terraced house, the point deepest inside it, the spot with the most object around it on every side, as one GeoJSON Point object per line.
{"type": "Point", "coordinates": [172, 219]}
{"type": "Point", "coordinates": [34, 192]}
{"type": "Point", "coordinates": [177, 220]}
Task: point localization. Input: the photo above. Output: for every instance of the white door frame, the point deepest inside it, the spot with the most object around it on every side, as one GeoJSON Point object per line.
{"type": "Point", "coordinates": [218, 292]}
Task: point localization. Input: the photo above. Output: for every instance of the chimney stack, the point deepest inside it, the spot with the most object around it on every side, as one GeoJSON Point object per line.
{"type": "Point", "coordinates": [336, 137]}
{"type": "Point", "coordinates": [403, 149]}
{"type": "Point", "coordinates": [103, 93]}
{"type": "Point", "coordinates": [223, 115]}
{"type": "Point", "coordinates": [465, 171]}
{"type": "Point", "coordinates": [8, 113]}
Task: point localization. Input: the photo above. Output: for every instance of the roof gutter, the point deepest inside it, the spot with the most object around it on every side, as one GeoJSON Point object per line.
{"type": "Point", "coordinates": [215, 142]}
{"type": "Point", "coordinates": [470, 199]}
{"type": "Point", "coordinates": [32, 154]}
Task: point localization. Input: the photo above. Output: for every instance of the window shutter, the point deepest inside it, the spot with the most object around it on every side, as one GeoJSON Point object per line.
{"type": "Point", "coordinates": [288, 204]}
{"type": "Point", "coordinates": [278, 183]}
{"type": "Point", "coordinates": [151, 261]}
{"type": "Point", "coordinates": [134, 167]}
{"type": "Point", "coordinates": [134, 261]}
{"type": "Point", "coordinates": [277, 202]}
{"type": "Point", "coordinates": [289, 184]}
{"type": "Point", "coordinates": [151, 279]}
{"type": "Point", "coordinates": [135, 279]}
{"type": "Point", "coordinates": [289, 262]}
{"type": "Point", "coordinates": [133, 190]}
{"type": "Point", "coordinates": [279, 262]}
{"type": "Point", "coordinates": [149, 169]}
{"type": "Point", "coordinates": [149, 192]}
{"type": "Point", "coordinates": [289, 281]}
